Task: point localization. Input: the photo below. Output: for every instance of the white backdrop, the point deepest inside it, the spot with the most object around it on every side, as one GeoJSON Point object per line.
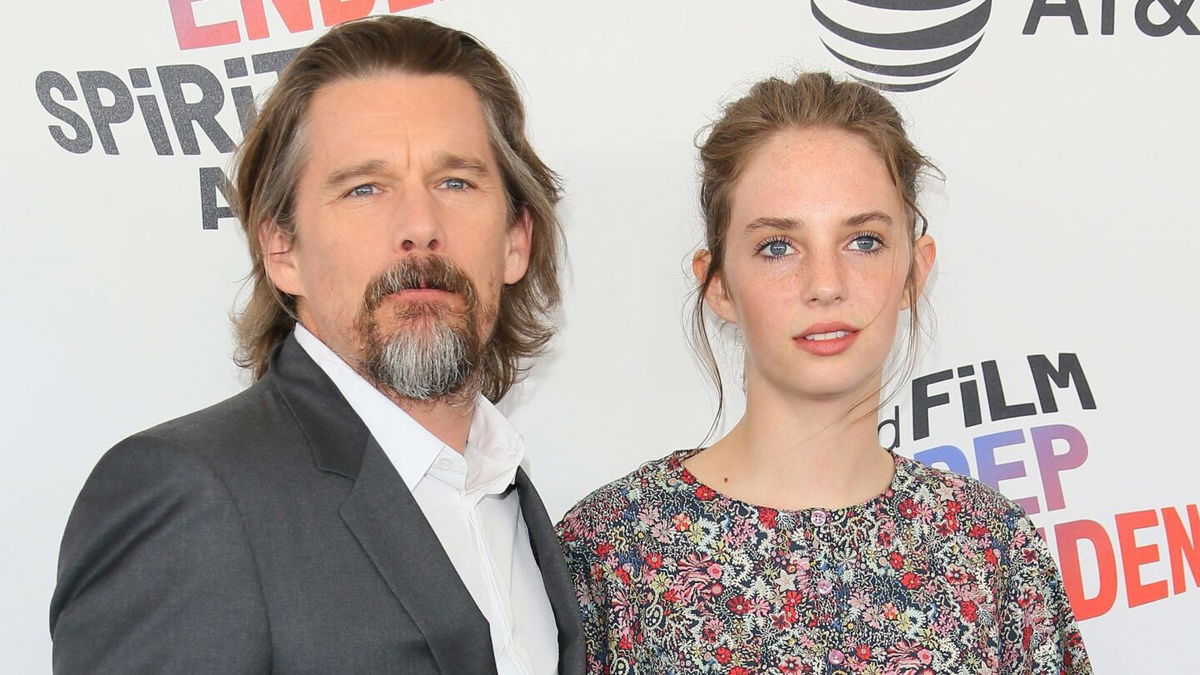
{"type": "Point", "coordinates": [1067, 225]}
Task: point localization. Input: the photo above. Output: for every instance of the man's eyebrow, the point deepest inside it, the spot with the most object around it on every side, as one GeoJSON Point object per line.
{"type": "Point", "coordinates": [450, 161]}
{"type": "Point", "coordinates": [367, 168]}
{"type": "Point", "coordinates": [770, 223]}
{"type": "Point", "coordinates": [444, 162]}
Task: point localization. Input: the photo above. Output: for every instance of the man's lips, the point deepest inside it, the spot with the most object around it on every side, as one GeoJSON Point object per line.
{"type": "Point", "coordinates": [420, 293]}
{"type": "Point", "coordinates": [826, 339]}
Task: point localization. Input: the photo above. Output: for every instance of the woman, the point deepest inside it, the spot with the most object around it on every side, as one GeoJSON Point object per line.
{"type": "Point", "coordinates": [796, 544]}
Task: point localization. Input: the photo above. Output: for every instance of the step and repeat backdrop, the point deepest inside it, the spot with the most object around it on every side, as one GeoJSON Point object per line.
{"type": "Point", "coordinates": [1060, 362]}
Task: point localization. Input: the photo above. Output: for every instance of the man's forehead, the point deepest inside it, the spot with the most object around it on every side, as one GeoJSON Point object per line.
{"type": "Point", "coordinates": [389, 112]}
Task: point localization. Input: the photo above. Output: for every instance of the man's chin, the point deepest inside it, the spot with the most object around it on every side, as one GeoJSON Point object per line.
{"type": "Point", "coordinates": [422, 311]}
{"type": "Point", "coordinates": [423, 360]}
{"type": "Point", "coordinates": [420, 324]}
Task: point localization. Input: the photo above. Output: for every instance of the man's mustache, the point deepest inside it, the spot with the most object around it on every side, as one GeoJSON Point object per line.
{"type": "Point", "coordinates": [431, 272]}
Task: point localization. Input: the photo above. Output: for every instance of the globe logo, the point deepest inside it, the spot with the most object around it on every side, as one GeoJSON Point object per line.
{"type": "Point", "coordinates": [902, 45]}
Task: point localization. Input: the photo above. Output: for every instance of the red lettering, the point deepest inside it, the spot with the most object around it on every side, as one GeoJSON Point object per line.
{"type": "Point", "coordinates": [191, 36]}
{"type": "Point", "coordinates": [1180, 545]}
{"type": "Point", "coordinates": [296, 15]}
{"type": "Point", "coordinates": [1068, 536]}
{"type": "Point", "coordinates": [334, 12]}
{"type": "Point", "coordinates": [1134, 556]}
{"type": "Point", "coordinates": [398, 5]}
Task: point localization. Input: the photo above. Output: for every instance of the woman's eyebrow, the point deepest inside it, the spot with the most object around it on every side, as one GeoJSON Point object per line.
{"type": "Point", "coordinates": [772, 223]}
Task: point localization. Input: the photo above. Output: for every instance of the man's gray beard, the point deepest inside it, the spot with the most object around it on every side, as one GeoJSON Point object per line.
{"type": "Point", "coordinates": [428, 363]}
{"type": "Point", "coordinates": [432, 351]}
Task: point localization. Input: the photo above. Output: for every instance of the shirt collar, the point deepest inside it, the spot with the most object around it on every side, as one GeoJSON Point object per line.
{"type": "Point", "coordinates": [494, 450]}
{"type": "Point", "coordinates": [494, 447]}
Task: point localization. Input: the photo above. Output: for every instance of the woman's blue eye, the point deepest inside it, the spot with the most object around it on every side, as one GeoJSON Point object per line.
{"type": "Point", "coordinates": [775, 249]}
{"type": "Point", "coordinates": [455, 184]}
{"type": "Point", "coordinates": [866, 244]}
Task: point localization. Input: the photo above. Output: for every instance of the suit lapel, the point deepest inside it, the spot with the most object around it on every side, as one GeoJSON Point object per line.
{"type": "Point", "coordinates": [389, 524]}
{"type": "Point", "coordinates": [382, 514]}
{"type": "Point", "coordinates": [549, 556]}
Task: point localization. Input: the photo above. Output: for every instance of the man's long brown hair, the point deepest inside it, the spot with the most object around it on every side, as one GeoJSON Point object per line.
{"type": "Point", "coordinates": [268, 164]}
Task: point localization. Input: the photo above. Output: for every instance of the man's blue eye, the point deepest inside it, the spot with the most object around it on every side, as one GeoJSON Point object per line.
{"type": "Point", "coordinates": [455, 184]}
{"type": "Point", "coordinates": [363, 191]}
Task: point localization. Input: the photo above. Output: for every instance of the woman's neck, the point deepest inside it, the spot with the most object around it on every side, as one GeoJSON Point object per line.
{"type": "Point", "coordinates": [793, 455]}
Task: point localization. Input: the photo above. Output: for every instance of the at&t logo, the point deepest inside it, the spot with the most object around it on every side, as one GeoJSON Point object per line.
{"type": "Point", "coordinates": [902, 45]}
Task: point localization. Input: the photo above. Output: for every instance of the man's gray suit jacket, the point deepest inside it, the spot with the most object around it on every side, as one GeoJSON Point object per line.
{"type": "Point", "coordinates": [270, 533]}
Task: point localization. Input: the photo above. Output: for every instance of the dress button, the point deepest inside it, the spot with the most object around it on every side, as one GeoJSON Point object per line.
{"type": "Point", "coordinates": [824, 586]}
{"type": "Point", "coordinates": [818, 517]}
{"type": "Point", "coordinates": [836, 657]}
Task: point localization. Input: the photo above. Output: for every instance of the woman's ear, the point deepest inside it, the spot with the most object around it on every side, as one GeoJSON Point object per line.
{"type": "Point", "coordinates": [924, 253]}
{"type": "Point", "coordinates": [716, 296]}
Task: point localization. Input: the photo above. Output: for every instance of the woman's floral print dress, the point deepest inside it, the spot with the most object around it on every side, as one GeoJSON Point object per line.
{"type": "Point", "coordinates": [939, 574]}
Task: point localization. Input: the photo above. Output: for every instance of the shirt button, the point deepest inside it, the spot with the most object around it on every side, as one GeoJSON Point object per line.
{"type": "Point", "coordinates": [824, 586]}
{"type": "Point", "coordinates": [836, 657]}
{"type": "Point", "coordinates": [445, 463]}
{"type": "Point", "coordinates": [818, 517]}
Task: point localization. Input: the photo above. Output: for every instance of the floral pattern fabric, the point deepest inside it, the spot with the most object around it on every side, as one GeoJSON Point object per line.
{"type": "Point", "coordinates": [939, 574]}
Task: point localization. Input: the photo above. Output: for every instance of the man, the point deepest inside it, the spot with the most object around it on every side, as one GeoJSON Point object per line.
{"type": "Point", "coordinates": [360, 507]}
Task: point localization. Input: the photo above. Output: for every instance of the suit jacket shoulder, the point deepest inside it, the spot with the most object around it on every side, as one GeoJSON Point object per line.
{"type": "Point", "coordinates": [151, 507]}
{"type": "Point", "coordinates": [189, 538]}
{"type": "Point", "coordinates": [269, 532]}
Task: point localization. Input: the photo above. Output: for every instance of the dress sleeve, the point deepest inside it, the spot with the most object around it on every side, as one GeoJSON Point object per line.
{"type": "Point", "coordinates": [155, 572]}
{"type": "Point", "coordinates": [1039, 630]}
{"type": "Point", "coordinates": [588, 575]}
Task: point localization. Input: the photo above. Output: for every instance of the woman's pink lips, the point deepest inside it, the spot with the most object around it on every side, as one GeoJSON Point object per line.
{"type": "Point", "coordinates": [826, 347]}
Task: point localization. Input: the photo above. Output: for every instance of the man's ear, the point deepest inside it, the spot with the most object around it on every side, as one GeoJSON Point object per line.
{"type": "Point", "coordinates": [519, 239]}
{"type": "Point", "coordinates": [279, 258]}
{"type": "Point", "coordinates": [924, 253]}
{"type": "Point", "coordinates": [717, 295]}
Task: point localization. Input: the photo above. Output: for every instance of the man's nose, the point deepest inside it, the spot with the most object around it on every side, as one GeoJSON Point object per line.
{"type": "Point", "coordinates": [418, 223]}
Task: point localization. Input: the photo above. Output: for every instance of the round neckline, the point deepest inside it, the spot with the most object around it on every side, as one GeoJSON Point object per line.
{"type": "Point", "coordinates": [677, 458]}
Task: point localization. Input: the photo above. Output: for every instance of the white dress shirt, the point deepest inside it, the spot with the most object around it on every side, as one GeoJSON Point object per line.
{"type": "Point", "coordinates": [465, 498]}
